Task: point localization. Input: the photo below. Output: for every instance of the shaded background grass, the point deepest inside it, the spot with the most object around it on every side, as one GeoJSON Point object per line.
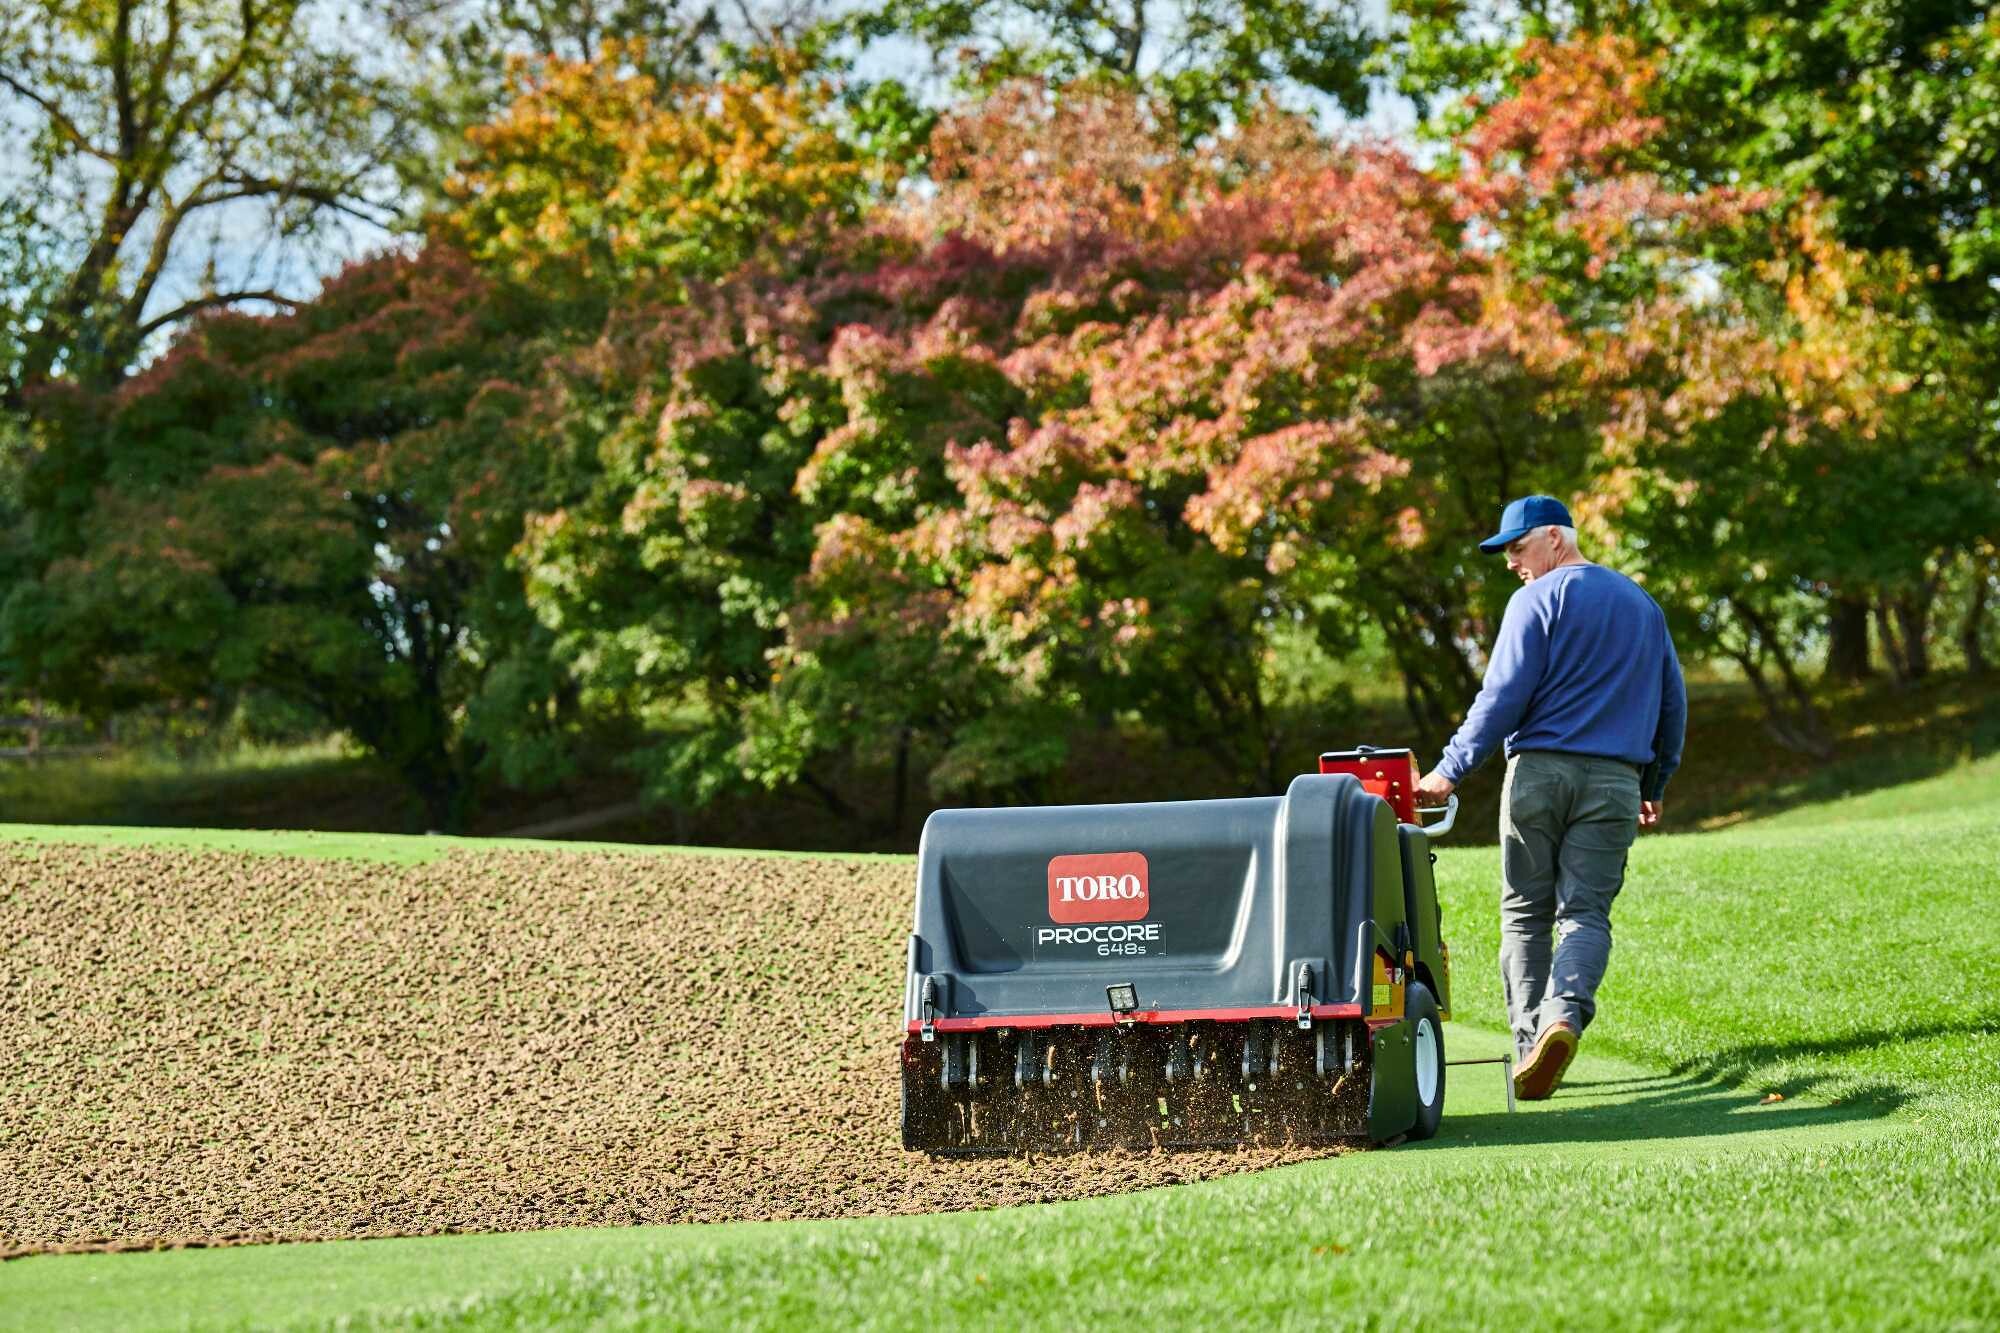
{"type": "Point", "coordinates": [1884, 737]}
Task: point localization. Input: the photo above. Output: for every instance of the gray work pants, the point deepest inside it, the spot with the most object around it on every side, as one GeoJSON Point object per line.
{"type": "Point", "coordinates": [1567, 822]}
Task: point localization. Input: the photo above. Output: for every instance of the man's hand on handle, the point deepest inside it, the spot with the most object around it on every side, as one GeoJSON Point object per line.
{"type": "Point", "coordinates": [1650, 812]}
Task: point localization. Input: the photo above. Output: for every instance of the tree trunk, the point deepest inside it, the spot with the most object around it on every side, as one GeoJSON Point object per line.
{"type": "Point", "coordinates": [445, 798]}
{"type": "Point", "coordinates": [830, 798]}
{"type": "Point", "coordinates": [423, 756]}
{"type": "Point", "coordinates": [1847, 640]}
{"type": "Point", "coordinates": [1892, 646]}
{"type": "Point", "coordinates": [1801, 736]}
{"type": "Point", "coordinates": [1227, 736]}
{"type": "Point", "coordinates": [1913, 620]}
{"type": "Point", "coordinates": [1799, 726]}
{"type": "Point", "coordinates": [1971, 629]}
{"type": "Point", "coordinates": [1268, 745]}
{"type": "Point", "coordinates": [1438, 682]}
{"type": "Point", "coordinates": [1429, 714]}
{"type": "Point", "coordinates": [902, 805]}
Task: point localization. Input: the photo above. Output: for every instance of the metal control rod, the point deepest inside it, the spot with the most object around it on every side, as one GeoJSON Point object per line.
{"type": "Point", "coordinates": [1507, 1061]}
{"type": "Point", "coordinates": [1443, 827]}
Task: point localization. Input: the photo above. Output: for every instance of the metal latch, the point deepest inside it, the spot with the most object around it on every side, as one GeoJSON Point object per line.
{"type": "Point", "coordinates": [1305, 983]}
{"type": "Point", "coordinates": [927, 1029]}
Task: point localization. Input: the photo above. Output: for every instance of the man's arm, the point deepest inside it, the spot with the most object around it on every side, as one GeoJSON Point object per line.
{"type": "Point", "coordinates": [1520, 657]}
{"type": "Point", "coordinates": [1668, 739]}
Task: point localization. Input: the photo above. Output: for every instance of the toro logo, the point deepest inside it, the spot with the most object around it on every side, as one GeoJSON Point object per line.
{"type": "Point", "coordinates": [1110, 886]}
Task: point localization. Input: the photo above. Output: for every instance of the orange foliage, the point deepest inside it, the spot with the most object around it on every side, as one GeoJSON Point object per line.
{"type": "Point", "coordinates": [603, 172]}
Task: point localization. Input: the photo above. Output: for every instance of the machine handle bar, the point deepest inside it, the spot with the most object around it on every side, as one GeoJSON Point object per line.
{"type": "Point", "coordinates": [1438, 830]}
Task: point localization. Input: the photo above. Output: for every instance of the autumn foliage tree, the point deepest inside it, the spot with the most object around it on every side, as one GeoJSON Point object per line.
{"type": "Point", "coordinates": [1873, 118]}
{"type": "Point", "coordinates": [1784, 415]}
{"type": "Point", "coordinates": [597, 179]}
{"type": "Point", "coordinates": [1083, 432]}
{"type": "Point", "coordinates": [685, 428]}
{"type": "Point", "coordinates": [1074, 437]}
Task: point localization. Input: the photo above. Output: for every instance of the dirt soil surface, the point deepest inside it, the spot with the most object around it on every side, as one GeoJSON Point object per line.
{"type": "Point", "coordinates": [205, 1048]}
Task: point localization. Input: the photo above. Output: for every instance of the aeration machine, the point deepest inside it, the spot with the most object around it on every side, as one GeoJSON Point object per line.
{"type": "Point", "coordinates": [1182, 973]}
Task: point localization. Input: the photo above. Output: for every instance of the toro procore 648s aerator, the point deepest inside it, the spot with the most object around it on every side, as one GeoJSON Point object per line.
{"type": "Point", "coordinates": [1187, 973]}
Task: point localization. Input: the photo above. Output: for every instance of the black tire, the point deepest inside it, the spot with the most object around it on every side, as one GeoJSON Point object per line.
{"type": "Point", "coordinates": [1420, 1011]}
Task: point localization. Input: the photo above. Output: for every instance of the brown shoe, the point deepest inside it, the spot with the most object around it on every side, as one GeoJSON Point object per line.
{"type": "Point", "coordinates": [1538, 1076]}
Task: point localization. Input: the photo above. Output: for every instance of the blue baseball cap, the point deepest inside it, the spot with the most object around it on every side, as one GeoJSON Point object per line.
{"type": "Point", "coordinates": [1523, 516]}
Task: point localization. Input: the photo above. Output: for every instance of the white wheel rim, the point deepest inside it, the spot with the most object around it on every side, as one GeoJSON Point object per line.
{"type": "Point", "coordinates": [1427, 1062]}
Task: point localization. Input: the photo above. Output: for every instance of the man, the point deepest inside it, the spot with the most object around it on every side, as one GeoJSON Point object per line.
{"type": "Point", "coordinates": [1584, 688]}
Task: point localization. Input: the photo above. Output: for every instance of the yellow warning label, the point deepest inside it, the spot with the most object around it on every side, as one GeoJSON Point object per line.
{"type": "Point", "coordinates": [1385, 995]}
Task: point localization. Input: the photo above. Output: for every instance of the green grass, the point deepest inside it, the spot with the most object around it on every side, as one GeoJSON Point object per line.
{"type": "Point", "coordinates": [1845, 956]}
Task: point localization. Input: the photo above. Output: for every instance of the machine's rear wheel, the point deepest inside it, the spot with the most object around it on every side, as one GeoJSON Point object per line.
{"type": "Point", "coordinates": [1427, 1043]}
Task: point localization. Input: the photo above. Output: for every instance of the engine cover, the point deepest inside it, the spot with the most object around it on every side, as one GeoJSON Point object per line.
{"type": "Point", "coordinates": [1260, 907]}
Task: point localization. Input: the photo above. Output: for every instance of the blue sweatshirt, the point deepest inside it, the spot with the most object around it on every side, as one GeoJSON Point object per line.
{"type": "Point", "coordinates": [1584, 664]}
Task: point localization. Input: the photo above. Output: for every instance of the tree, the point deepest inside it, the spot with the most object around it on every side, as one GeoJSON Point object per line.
{"type": "Point", "coordinates": [1762, 436]}
{"type": "Point", "coordinates": [1878, 117]}
{"type": "Point", "coordinates": [1205, 60]}
{"type": "Point", "coordinates": [143, 123]}
{"type": "Point", "coordinates": [466, 53]}
{"type": "Point", "coordinates": [316, 506]}
{"type": "Point", "coordinates": [1076, 437]}
{"type": "Point", "coordinates": [471, 44]}
{"type": "Point", "coordinates": [597, 180]}
{"type": "Point", "coordinates": [664, 572]}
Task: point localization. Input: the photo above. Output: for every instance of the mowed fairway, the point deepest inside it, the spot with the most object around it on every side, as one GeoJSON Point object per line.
{"type": "Point", "coordinates": [1785, 1116]}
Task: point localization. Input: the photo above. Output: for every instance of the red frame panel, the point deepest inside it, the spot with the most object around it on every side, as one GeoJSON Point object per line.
{"type": "Point", "coordinates": [1105, 1019]}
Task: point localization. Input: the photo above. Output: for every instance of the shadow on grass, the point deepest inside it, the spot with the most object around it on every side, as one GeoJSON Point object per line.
{"type": "Point", "coordinates": [1720, 1095]}
{"type": "Point", "coordinates": [1671, 1106]}
{"type": "Point", "coordinates": [1737, 1061]}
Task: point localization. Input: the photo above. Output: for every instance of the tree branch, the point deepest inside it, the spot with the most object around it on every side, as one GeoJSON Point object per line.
{"type": "Point", "coordinates": [756, 29]}
{"type": "Point", "coordinates": [251, 16]}
{"type": "Point", "coordinates": [210, 302]}
{"type": "Point", "coordinates": [121, 80]}
{"type": "Point", "coordinates": [156, 73]}
{"type": "Point", "coordinates": [64, 125]}
{"type": "Point", "coordinates": [259, 187]}
{"type": "Point", "coordinates": [164, 232]}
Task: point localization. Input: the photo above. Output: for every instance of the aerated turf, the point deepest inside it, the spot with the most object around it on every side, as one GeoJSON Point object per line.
{"type": "Point", "coordinates": [1784, 1117]}
{"type": "Point", "coordinates": [216, 1047]}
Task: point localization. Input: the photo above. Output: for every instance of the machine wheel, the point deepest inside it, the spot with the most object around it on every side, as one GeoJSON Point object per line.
{"type": "Point", "coordinates": [1427, 1047]}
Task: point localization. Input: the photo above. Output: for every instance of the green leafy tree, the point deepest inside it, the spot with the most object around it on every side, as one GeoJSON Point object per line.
{"type": "Point", "coordinates": [316, 507]}
{"type": "Point", "coordinates": [667, 575]}
{"type": "Point", "coordinates": [1205, 60]}
{"type": "Point", "coordinates": [137, 123]}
